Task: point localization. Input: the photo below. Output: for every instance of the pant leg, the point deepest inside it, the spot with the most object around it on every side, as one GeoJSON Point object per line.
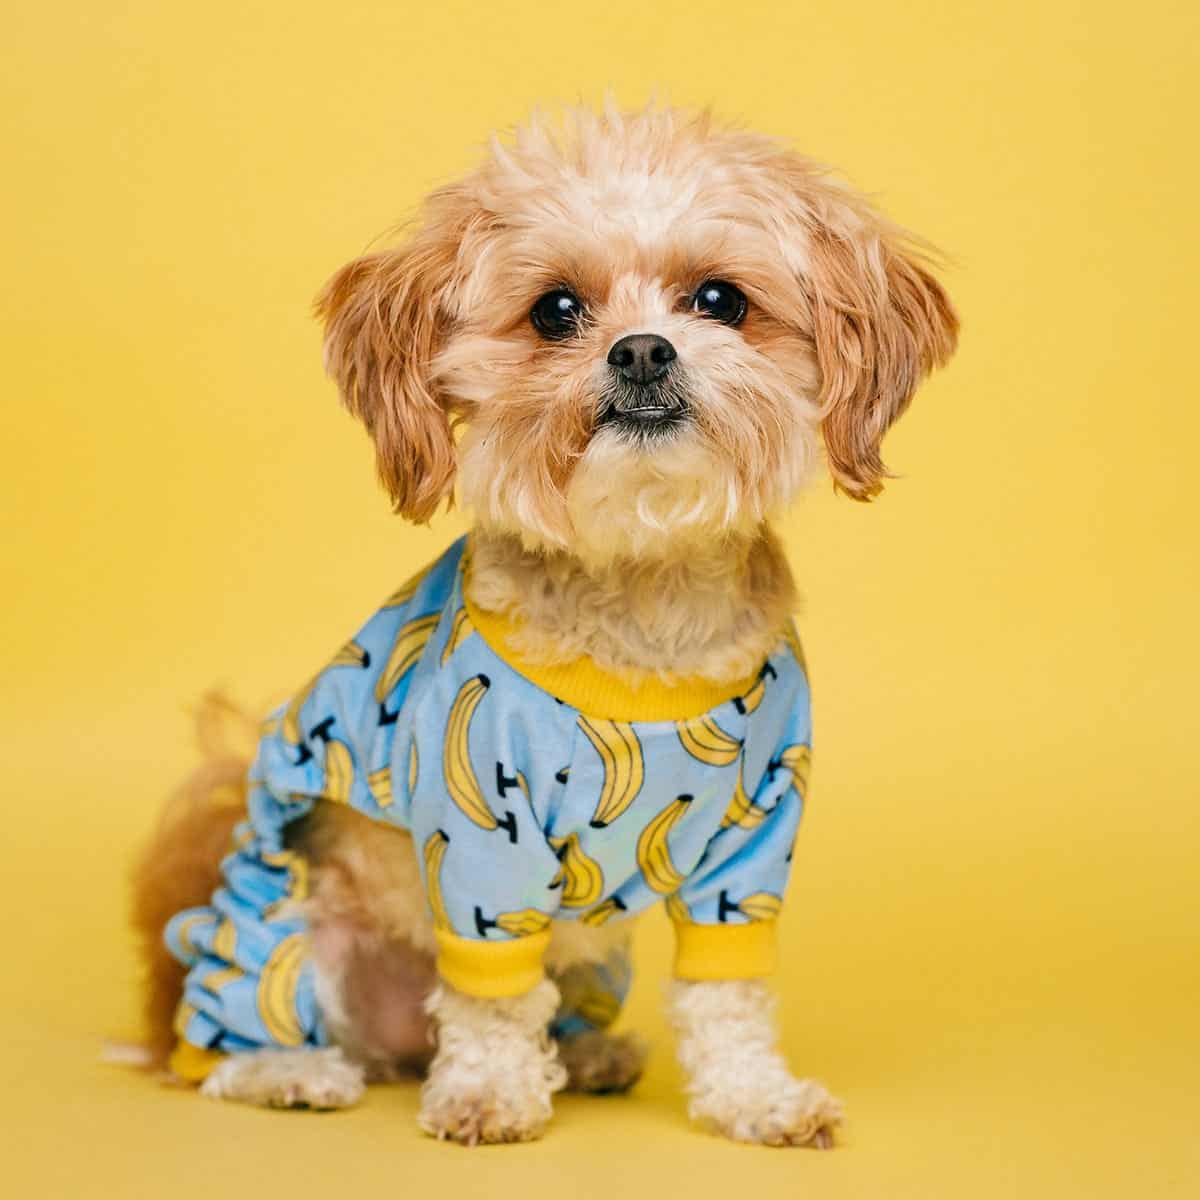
{"type": "Point", "coordinates": [250, 980]}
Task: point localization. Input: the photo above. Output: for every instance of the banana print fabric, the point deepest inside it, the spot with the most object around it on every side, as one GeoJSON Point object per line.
{"type": "Point", "coordinates": [523, 807]}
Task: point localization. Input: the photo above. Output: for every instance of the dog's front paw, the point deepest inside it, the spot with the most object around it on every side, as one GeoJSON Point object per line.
{"type": "Point", "coordinates": [313, 1079]}
{"type": "Point", "coordinates": [495, 1069]}
{"type": "Point", "coordinates": [796, 1113]}
{"type": "Point", "coordinates": [484, 1110]}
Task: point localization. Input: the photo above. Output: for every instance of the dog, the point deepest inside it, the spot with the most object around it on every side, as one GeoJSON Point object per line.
{"type": "Point", "coordinates": [625, 341]}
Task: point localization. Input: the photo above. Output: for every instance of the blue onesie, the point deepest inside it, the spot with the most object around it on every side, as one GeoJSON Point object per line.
{"type": "Point", "coordinates": [531, 792]}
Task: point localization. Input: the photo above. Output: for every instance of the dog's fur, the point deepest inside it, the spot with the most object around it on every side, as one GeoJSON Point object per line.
{"type": "Point", "coordinates": [582, 533]}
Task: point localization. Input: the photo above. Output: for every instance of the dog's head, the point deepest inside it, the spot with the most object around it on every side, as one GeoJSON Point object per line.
{"type": "Point", "coordinates": [646, 325]}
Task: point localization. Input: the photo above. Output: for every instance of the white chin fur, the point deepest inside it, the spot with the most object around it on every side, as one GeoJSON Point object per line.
{"type": "Point", "coordinates": [652, 501]}
{"type": "Point", "coordinates": [663, 500]}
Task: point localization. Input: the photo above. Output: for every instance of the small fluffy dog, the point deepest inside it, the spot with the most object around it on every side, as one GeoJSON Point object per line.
{"type": "Point", "coordinates": [625, 342]}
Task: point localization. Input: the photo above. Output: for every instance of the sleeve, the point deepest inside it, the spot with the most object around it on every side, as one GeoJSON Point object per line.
{"type": "Point", "coordinates": [725, 913]}
{"type": "Point", "coordinates": [492, 879]}
{"type": "Point", "coordinates": [322, 746]}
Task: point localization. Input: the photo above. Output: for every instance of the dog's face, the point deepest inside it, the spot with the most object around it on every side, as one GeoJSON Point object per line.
{"type": "Point", "coordinates": [647, 327]}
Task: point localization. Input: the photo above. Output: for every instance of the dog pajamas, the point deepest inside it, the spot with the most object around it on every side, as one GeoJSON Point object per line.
{"type": "Point", "coordinates": [532, 793]}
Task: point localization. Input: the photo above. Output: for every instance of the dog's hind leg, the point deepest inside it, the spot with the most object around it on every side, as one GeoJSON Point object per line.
{"type": "Point", "coordinates": [600, 1062]}
{"type": "Point", "coordinates": [364, 923]}
{"type": "Point", "coordinates": [371, 940]}
{"type": "Point", "coordinates": [313, 1079]}
{"type": "Point", "coordinates": [180, 866]}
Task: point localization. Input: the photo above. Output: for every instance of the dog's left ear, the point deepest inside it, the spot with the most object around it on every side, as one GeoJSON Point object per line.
{"type": "Point", "coordinates": [881, 323]}
{"type": "Point", "coordinates": [386, 316]}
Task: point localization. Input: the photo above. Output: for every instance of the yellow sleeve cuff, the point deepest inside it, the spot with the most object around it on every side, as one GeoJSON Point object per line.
{"type": "Point", "coordinates": [724, 951]}
{"type": "Point", "coordinates": [491, 969]}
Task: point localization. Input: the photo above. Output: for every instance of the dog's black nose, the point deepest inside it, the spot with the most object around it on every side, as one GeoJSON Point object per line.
{"type": "Point", "coordinates": [641, 357]}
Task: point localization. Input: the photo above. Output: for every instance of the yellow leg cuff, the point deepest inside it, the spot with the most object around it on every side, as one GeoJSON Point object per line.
{"type": "Point", "coordinates": [724, 951]}
{"type": "Point", "coordinates": [192, 1063]}
{"type": "Point", "coordinates": [491, 969]}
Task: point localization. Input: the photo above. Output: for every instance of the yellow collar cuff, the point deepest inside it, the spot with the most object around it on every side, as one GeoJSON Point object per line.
{"type": "Point", "coordinates": [600, 693]}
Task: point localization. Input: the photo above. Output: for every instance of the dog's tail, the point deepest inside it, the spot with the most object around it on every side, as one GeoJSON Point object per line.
{"type": "Point", "coordinates": [180, 866]}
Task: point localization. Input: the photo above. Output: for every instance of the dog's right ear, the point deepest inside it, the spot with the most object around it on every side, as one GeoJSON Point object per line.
{"type": "Point", "coordinates": [385, 317]}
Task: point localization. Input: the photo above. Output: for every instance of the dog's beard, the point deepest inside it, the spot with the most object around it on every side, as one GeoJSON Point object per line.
{"type": "Point", "coordinates": [662, 495]}
{"type": "Point", "coordinates": [644, 415]}
{"type": "Point", "coordinates": [569, 468]}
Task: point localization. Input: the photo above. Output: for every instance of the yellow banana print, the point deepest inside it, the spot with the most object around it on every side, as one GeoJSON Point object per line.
{"type": "Point", "coordinates": [290, 723]}
{"type": "Point", "coordinates": [653, 853]}
{"type": "Point", "coordinates": [798, 760]}
{"type": "Point", "coordinates": [624, 771]}
{"type": "Point", "coordinates": [705, 740]}
{"type": "Point", "coordinates": [677, 910]}
{"type": "Point", "coordinates": [406, 651]}
{"type": "Point", "coordinates": [379, 783]}
{"type": "Point", "coordinates": [581, 878]}
{"type": "Point", "coordinates": [460, 630]}
{"type": "Point", "coordinates": [296, 866]}
{"type": "Point", "coordinates": [587, 992]}
{"type": "Point", "coordinates": [185, 928]}
{"type": "Point", "coordinates": [276, 995]}
{"type": "Point", "coordinates": [522, 924]}
{"type": "Point", "coordinates": [595, 1005]}
{"type": "Point", "coordinates": [515, 780]}
{"type": "Point", "coordinates": [407, 589]}
{"type": "Point", "coordinates": [350, 655]}
{"type": "Point", "coordinates": [433, 853]}
{"type": "Point", "coordinates": [339, 772]}
{"type": "Point", "coordinates": [413, 764]}
{"type": "Point", "coordinates": [742, 810]}
{"type": "Point", "coordinates": [604, 912]}
{"type": "Point", "coordinates": [214, 981]}
{"type": "Point", "coordinates": [224, 943]}
{"type": "Point", "coordinates": [183, 1018]}
{"type": "Point", "coordinates": [754, 697]}
{"type": "Point", "coordinates": [762, 906]}
{"type": "Point", "coordinates": [461, 780]}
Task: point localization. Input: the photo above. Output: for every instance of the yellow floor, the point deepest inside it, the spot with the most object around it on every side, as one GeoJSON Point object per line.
{"type": "Point", "coordinates": [989, 1040]}
{"type": "Point", "coordinates": [1033, 1113]}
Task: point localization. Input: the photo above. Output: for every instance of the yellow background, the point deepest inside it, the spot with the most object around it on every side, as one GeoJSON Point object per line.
{"type": "Point", "coordinates": [991, 942]}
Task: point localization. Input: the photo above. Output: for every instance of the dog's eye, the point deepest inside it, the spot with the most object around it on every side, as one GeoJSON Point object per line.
{"type": "Point", "coordinates": [557, 314]}
{"type": "Point", "coordinates": [720, 300]}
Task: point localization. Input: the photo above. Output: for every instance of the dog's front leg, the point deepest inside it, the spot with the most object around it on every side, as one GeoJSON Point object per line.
{"type": "Point", "coordinates": [495, 1069]}
{"type": "Point", "coordinates": [737, 1081]}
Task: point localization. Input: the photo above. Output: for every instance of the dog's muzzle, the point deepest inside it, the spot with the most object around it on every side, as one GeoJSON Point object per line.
{"type": "Point", "coordinates": [644, 397]}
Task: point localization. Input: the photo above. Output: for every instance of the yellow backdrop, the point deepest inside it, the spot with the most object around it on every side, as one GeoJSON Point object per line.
{"type": "Point", "coordinates": [991, 943]}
